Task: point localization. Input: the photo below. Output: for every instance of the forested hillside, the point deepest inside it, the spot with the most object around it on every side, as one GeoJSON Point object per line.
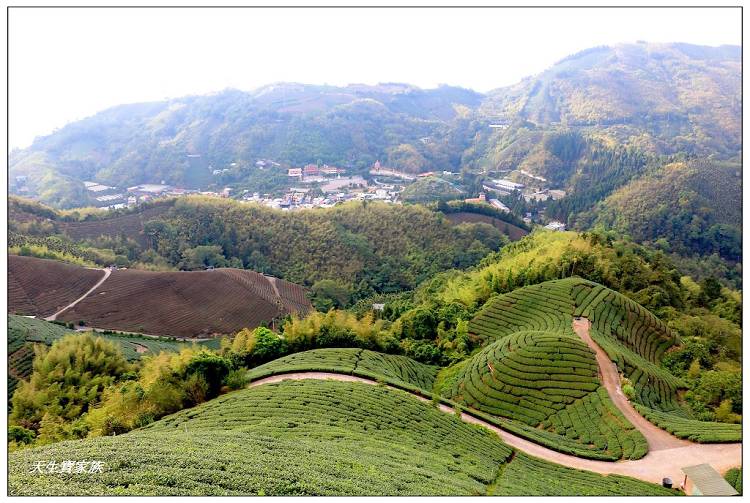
{"type": "Point", "coordinates": [693, 207]}
{"type": "Point", "coordinates": [344, 253]}
{"type": "Point", "coordinates": [657, 99]}
{"type": "Point", "coordinates": [663, 98]}
{"type": "Point", "coordinates": [182, 140]}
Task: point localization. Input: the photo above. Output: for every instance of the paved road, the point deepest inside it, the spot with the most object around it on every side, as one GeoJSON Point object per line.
{"type": "Point", "coordinates": [106, 272]}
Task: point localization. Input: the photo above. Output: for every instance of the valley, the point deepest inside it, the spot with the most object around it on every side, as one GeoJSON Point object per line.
{"type": "Point", "coordinates": [385, 290]}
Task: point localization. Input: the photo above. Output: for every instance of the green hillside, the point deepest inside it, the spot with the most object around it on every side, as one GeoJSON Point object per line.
{"type": "Point", "coordinates": [632, 337]}
{"type": "Point", "coordinates": [665, 98]}
{"type": "Point", "coordinates": [693, 207]}
{"type": "Point", "coordinates": [307, 438]}
{"type": "Point", "coordinates": [392, 369]}
{"type": "Point", "coordinates": [291, 438]}
{"type": "Point", "coordinates": [365, 248]}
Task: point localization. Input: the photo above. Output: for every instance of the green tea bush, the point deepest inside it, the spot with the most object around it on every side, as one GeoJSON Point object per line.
{"type": "Point", "coordinates": [529, 476]}
{"type": "Point", "coordinates": [290, 438]}
{"type": "Point", "coordinates": [392, 369]}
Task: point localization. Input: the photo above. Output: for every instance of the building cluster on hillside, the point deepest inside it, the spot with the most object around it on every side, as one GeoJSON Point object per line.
{"type": "Point", "coordinates": [482, 199]}
{"type": "Point", "coordinates": [114, 198]}
{"type": "Point", "coordinates": [502, 186]}
{"type": "Point", "coordinates": [334, 191]}
{"type": "Point", "coordinates": [544, 194]}
{"type": "Point", "coordinates": [555, 226]}
{"type": "Point", "coordinates": [535, 191]}
{"type": "Point", "coordinates": [312, 170]}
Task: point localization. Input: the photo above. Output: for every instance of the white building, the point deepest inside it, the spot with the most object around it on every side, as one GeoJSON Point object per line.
{"type": "Point", "coordinates": [508, 184]}
{"type": "Point", "coordinates": [555, 226]}
{"type": "Point", "coordinates": [500, 206]}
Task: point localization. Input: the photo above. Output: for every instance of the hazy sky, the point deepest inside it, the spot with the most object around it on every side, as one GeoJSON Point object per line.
{"type": "Point", "coordinates": [66, 64]}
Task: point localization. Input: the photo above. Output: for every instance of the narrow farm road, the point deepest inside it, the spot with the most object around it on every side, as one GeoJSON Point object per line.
{"type": "Point", "coordinates": [652, 468]}
{"type": "Point", "coordinates": [106, 271]}
{"type": "Point", "coordinates": [657, 438]}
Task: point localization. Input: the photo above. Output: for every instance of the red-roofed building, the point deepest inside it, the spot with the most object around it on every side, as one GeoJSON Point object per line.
{"type": "Point", "coordinates": [481, 199]}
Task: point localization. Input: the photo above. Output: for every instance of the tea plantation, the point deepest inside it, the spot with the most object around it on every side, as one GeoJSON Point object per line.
{"type": "Point", "coordinates": [691, 429]}
{"type": "Point", "coordinates": [308, 437]}
{"type": "Point", "coordinates": [632, 337]}
{"type": "Point", "coordinates": [398, 371]}
{"type": "Point", "coordinates": [288, 438]}
{"type": "Point", "coordinates": [528, 476]}
{"type": "Point", "coordinates": [548, 379]}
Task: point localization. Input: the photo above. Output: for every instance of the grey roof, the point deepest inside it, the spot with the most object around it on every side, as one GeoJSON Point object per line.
{"type": "Point", "coordinates": [709, 481]}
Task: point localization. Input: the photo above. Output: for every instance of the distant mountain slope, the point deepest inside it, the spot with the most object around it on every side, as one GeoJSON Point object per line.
{"type": "Point", "coordinates": [694, 206]}
{"type": "Point", "coordinates": [663, 98]}
{"type": "Point", "coordinates": [656, 98]}
{"type": "Point", "coordinates": [292, 123]}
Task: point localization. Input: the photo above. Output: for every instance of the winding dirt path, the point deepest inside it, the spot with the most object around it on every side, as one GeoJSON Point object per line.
{"type": "Point", "coordinates": [106, 271]}
{"type": "Point", "coordinates": [657, 438]}
{"type": "Point", "coordinates": [651, 468]}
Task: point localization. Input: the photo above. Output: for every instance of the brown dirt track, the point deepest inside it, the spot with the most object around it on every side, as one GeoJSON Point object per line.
{"type": "Point", "coordinates": [513, 232]}
{"type": "Point", "coordinates": [41, 287]}
{"type": "Point", "coordinates": [182, 304]}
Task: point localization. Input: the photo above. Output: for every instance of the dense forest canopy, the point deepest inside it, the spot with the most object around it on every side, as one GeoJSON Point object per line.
{"type": "Point", "coordinates": [362, 248]}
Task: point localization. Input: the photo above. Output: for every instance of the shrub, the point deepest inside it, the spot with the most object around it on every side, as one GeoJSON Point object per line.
{"type": "Point", "coordinates": [212, 368]}
{"type": "Point", "coordinates": [236, 379]}
{"type": "Point", "coordinates": [20, 435]}
{"type": "Point", "coordinates": [67, 378]}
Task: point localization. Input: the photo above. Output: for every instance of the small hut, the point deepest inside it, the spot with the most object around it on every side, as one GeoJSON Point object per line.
{"type": "Point", "coordinates": [702, 480]}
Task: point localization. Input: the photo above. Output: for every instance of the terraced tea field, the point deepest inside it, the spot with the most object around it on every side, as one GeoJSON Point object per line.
{"type": "Point", "coordinates": [548, 382]}
{"type": "Point", "coordinates": [130, 225]}
{"type": "Point", "coordinates": [546, 307]}
{"type": "Point", "coordinates": [399, 371]}
{"type": "Point", "coordinates": [180, 304]}
{"type": "Point", "coordinates": [40, 287]}
{"type": "Point", "coordinates": [631, 336]}
{"type": "Point", "coordinates": [691, 429]}
{"type": "Point", "coordinates": [528, 476]}
{"type": "Point", "coordinates": [291, 438]}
